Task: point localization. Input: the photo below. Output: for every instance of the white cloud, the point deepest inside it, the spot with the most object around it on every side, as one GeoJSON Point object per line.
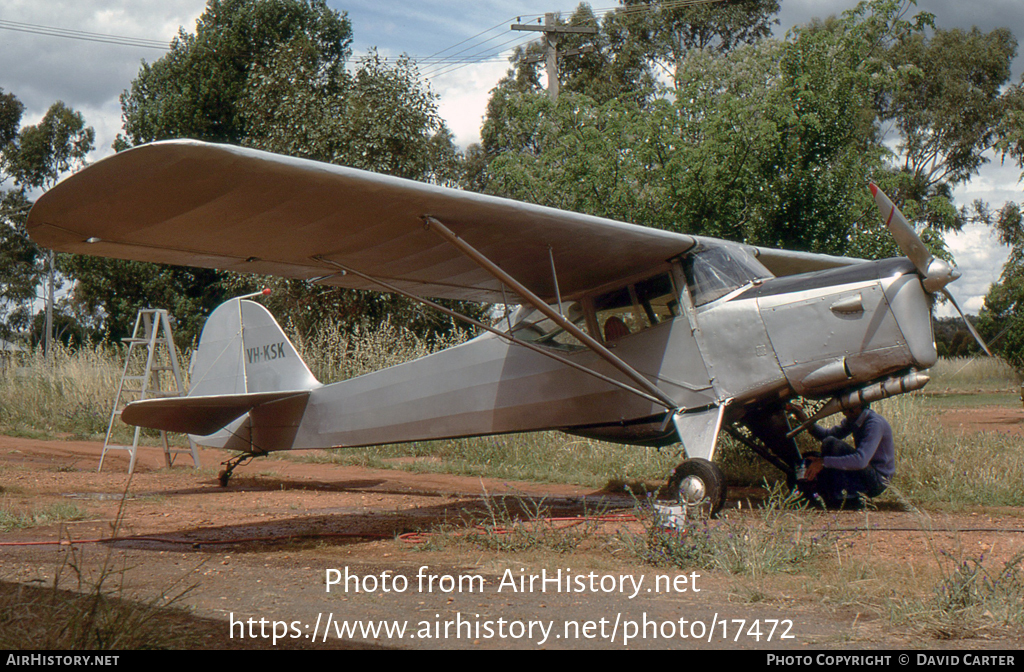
{"type": "Point", "coordinates": [89, 76]}
{"type": "Point", "coordinates": [461, 102]}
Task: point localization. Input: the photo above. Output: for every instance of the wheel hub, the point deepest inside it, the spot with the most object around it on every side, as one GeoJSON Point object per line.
{"type": "Point", "coordinates": [692, 491]}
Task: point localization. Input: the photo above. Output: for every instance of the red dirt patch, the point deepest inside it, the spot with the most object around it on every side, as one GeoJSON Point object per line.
{"type": "Point", "coordinates": [176, 523]}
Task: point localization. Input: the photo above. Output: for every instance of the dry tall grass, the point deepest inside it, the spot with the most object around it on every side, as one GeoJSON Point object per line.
{"type": "Point", "coordinates": [977, 374]}
{"type": "Point", "coordinates": [935, 464]}
{"type": "Point", "coordinates": [69, 392]}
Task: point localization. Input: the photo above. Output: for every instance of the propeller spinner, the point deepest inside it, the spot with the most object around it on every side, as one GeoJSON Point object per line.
{"type": "Point", "coordinates": [935, 273]}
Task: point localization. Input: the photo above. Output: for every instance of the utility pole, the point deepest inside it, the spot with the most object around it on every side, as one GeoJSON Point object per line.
{"type": "Point", "coordinates": [48, 322]}
{"type": "Point", "coordinates": [551, 33]}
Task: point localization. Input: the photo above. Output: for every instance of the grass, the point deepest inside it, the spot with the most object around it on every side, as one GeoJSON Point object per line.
{"type": "Point", "coordinates": [69, 394]}
{"type": "Point", "coordinates": [781, 536]}
{"type": "Point", "coordinates": [949, 595]}
{"type": "Point", "coordinates": [960, 400]}
{"type": "Point", "coordinates": [940, 467]}
{"type": "Point", "coordinates": [89, 609]}
{"type": "Point", "coordinates": [969, 600]}
{"type": "Point", "coordinates": [544, 456]}
{"type": "Point", "coordinates": [55, 513]}
{"type": "Point", "coordinates": [512, 524]}
{"type": "Point", "coordinates": [981, 374]}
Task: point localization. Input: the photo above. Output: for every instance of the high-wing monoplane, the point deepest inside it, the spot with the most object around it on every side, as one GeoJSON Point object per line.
{"type": "Point", "coordinates": [622, 333]}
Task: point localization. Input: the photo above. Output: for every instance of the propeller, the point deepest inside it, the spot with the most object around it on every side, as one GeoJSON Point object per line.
{"type": "Point", "coordinates": [935, 273]}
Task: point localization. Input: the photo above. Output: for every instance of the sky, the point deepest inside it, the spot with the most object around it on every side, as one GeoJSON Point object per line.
{"type": "Point", "coordinates": [88, 72]}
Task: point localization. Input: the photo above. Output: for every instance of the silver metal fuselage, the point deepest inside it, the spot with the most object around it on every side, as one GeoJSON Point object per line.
{"type": "Point", "coordinates": [813, 334]}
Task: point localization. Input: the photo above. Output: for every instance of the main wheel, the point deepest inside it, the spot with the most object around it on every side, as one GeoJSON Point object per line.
{"type": "Point", "coordinates": [699, 485]}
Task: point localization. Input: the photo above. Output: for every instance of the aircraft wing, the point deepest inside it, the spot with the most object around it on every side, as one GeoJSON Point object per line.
{"type": "Point", "coordinates": [191, 203]}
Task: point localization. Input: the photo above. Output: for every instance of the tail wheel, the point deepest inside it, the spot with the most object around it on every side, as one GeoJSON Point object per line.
{"type": "Point", "coordinates": [699, 485]}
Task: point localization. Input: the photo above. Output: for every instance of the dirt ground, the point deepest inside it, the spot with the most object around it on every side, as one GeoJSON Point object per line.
{"type": "Point", "coordinates": [265, 546]}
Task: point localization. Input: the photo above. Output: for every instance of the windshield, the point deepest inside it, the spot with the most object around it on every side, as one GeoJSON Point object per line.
{"type": "Point", "coordinates": [715, 270]}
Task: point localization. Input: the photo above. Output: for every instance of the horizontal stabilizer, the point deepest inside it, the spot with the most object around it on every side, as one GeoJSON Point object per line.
{"type": "Point", "coordinates": [199, 415]}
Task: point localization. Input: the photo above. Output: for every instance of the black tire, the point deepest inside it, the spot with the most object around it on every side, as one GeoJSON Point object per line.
{"type": "Point", "coordinates": [711, 478]}
{"type": "Point", "coordinates": [223, 477]}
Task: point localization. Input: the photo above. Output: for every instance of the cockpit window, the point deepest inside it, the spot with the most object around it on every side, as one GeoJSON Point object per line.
{"type": "Point", "coordinates": [714, 271]}
{"type": "Point", "coordinates": [635, 307]}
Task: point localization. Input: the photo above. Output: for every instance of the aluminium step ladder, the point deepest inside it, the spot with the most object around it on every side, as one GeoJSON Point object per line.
{"type": "Point", "coordinates": [159, 375]}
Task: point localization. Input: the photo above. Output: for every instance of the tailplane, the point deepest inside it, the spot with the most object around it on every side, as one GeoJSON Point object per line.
{"type": "Point", "coordinates": [249, 386]}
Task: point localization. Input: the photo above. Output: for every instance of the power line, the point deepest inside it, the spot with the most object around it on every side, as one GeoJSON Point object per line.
{"type": "Point", "coordinates": [447, 64]}
{"type": "Point", "coordinates": [473, 59]}
{"type": "Point", "coordinates": [459, 44]}
{"type": "Point", "coordinates": [66, 33]}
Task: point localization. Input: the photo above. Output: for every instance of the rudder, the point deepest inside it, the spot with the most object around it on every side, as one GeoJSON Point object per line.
{"type": "Point", "coordinates": [243, 350]}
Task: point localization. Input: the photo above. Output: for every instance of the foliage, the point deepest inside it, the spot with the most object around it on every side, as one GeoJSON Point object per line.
{"type": "Point", "coordinates": [110, 293]}
{"type": "Point", "coordinates": [947, 105]}
{"type": "Point", "coordinates": [21, 265]}
{"type": "Point", "coordinates": [35, 157]}
{"type": "Point", "coordinates": [40, 154]}
{"type": "Point", "coordinates": [194, 90]}
{"type": "Point", "coordinates": [272, 76]}
{"type": "Point", "coordinates": [1003, 313]}
{"type": "Point", "coordinates": [747, 149]}
{"type": "Point", "coordinates": [11, 110]}
{"type": "Point", "coordinates": [760, 140]}
{"type": "Point", "coordinates": [668, 32]}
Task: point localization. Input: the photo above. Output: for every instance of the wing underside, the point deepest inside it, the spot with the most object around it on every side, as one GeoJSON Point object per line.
{"type": "Point", "coordinates": [217, 206]}
{"type": "Point", "coordinates": [185, 202]}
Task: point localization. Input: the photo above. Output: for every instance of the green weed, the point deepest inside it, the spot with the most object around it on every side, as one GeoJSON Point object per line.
{"type": "Point", "coordinates": [55, 513]}
{"type": "Point", "coordinates": [780, 537]}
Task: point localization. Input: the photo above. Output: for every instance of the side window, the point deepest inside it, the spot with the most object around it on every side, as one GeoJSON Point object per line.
{"type": "Point", "coordinates": [531, 325]}
{"type": "Point", "coordinates": [658, 298]}
{"type": "Point", "coordinates": [636, 307]}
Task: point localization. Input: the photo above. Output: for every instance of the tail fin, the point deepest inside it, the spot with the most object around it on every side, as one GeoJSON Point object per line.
{"type": "Point", "coordinates": [243, 350]}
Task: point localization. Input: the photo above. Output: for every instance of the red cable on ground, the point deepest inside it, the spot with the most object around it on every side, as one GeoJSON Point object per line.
{"type": "Point", "coordinates": [197, 542]}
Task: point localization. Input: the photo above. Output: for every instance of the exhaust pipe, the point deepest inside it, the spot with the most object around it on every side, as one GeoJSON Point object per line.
{"type": "Point", "coordinates": [876, 392]}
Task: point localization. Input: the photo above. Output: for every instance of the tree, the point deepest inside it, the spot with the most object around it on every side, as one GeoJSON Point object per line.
{"type": "Point", "coordinates": [1003, 313]}
{"type": "Point", "coordinates": [668, 31]}
{"type": "Point", "coordinates": [771, 143]}
{"type": "Point", "coordinates": [40, 154]}
{"type": "Point", "coordinates": [18, 255]}
{"type": "Point", "coordinates": [36, 157]}
{"type": "Point", "coordinates": [947, 104]}
{"type": "Point", "coordinates": [603, 65]}
{"type": "Point", "coordinates": [11, 110]}
{"type": "Point", "coordinates": [270, 74]}
{"type": "Point", "coordinates": [21, 265]}
{"type": "Point", "coordinates": [194, 90]}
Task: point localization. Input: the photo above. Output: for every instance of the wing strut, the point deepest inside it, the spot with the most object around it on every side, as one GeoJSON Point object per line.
{"type": "Point", "coordinates": [508, 337]}
{"type": "Point", "coordinates": [535, 301]}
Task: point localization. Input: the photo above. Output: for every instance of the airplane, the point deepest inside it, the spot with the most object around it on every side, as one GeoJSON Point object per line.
{"type": "Point", "coordinates": [623, 333]}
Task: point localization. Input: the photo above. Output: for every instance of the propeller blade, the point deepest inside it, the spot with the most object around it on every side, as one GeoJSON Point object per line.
{"type": "Point", "coordinates": [935, 273]}
{"type": "Point", "coordinates": [970, 327]}
{"type": "Point", "coordinates": [908, 240]}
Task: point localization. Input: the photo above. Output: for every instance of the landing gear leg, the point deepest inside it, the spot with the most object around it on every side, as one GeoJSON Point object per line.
{"type": "Point", "coordinates": [230, 465]}
{"type": "Point", "coordinates": [700, 487]}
